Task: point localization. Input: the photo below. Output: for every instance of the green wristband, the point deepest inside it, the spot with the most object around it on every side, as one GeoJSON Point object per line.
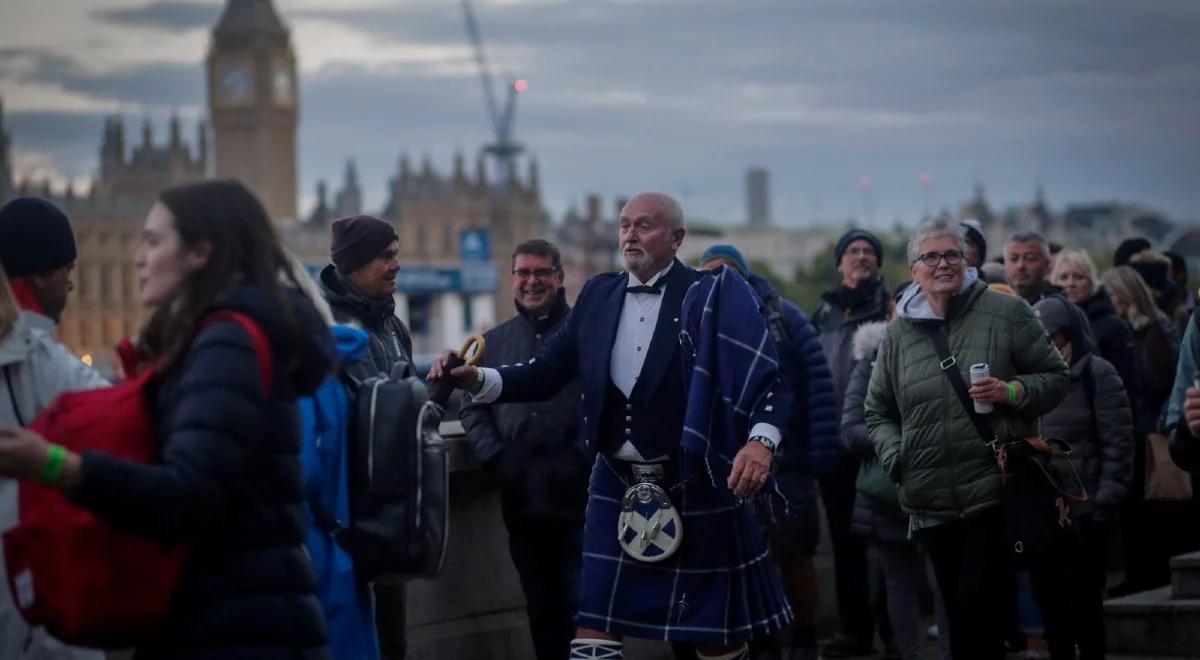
{"type": "Point", "coordinates": [56, 455]}
{"type": "Point", "coordinates": [477, 385]}
{"type": "Point", "coordinates": [1012, 393]}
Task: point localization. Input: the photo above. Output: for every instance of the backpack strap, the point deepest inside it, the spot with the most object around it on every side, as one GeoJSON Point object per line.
{"type": "Point", "coordinates": [258, 338]}
{"type": "Point", "coordinates": [937, 331]}
{"type": "Point", "coordinates": [12, 396]}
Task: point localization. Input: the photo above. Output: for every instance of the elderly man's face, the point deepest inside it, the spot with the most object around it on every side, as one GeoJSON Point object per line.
{"type": "Point", "coordinates": [859, 263]}
{"type": "Point", "coordinates": [933, 270]}
{"type": "Point", "coordinates": [648, 239]}
{"type": "Point", "coordinates": [1025, 265]}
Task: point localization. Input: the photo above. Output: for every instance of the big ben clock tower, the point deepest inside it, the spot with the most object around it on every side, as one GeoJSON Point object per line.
{"type": "Point", "coordinates": [252, 99]}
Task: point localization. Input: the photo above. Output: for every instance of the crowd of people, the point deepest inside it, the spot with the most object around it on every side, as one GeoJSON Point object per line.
{"type": "Point", "coordinates": [669, 397]}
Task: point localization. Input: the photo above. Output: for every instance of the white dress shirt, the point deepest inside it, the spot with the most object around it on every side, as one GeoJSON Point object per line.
{"type": "Point", "coordinates": [635, 329]}
{"type": "Point", "coordinates": [639, 317]}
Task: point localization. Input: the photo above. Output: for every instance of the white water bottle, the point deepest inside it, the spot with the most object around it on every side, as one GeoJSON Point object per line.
{"type": "Point", "coordinates": [978, 373]}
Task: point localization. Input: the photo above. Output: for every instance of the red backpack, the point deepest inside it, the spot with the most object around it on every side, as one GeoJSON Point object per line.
{"type": "Point", "coordinates": [88, 583]}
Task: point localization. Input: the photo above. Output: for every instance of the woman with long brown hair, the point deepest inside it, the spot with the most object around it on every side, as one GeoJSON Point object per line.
{"type": "Point", "coordinates": [228, 478]}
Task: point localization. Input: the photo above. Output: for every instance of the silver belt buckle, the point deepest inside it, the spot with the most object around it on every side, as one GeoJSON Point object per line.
{"type": "Point", "coordinates": [647, 472]}
{"type": "Point", "coordinates": [649, 529]}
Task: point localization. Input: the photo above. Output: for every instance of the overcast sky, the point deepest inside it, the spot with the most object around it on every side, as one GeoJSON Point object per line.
{"type": "Point", "coordinates": [1094, 100]}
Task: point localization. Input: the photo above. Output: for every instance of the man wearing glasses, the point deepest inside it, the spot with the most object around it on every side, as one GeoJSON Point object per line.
{"type": "Point", "coordinates": [860, 298]}
{"type": "Point", "coordinates": [532, 449]}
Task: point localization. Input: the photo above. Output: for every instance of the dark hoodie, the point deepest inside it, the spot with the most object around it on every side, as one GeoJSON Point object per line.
{"type": "Point", "coordinates": [1100, 430]}
{"type": "Point", "coordinates": [838, 318]}
{"type": "Point", "coordinates": [1115, 340]}
{"type": "Point", "coordinates": [229, 485]}
{"type": "Point", "coordinates": [390, 339]}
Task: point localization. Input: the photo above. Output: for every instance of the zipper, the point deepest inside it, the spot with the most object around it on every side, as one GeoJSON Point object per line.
{"type": "Point", "coordinates": [371, 435]}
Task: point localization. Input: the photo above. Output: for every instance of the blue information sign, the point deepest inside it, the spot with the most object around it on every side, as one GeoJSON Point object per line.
{"type": "Point", "coordinates": [474, 245]}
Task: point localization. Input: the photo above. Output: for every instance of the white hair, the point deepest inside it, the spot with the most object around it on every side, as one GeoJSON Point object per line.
{"type": "Point", "coordinates": [936, 228]}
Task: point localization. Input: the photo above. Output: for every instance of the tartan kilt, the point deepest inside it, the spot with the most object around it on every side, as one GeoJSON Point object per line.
{"type": "Point", "coordinates": [720, 587]}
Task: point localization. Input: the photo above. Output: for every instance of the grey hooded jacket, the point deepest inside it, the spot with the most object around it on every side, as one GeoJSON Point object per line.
{"type": "Point", "coordinates": [34, 369]}
{"type": "Point", "coordinates": [1100, 432]}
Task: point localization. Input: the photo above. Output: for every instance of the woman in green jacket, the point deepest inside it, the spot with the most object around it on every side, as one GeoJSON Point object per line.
{"type": "Point", "coordinates": [946, 475]}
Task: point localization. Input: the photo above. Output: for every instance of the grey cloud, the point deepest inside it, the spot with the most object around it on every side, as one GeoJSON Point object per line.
{"type": "Point", "coordinates": [1093, 100]}
{"type": "Point", "coordinates": [174, 16]}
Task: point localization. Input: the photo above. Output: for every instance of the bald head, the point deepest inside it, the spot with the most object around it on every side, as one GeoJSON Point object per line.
{"type": "Point", "coordinates": [651, 231]}
{"type": "Point", "coordinates": [657, 204]}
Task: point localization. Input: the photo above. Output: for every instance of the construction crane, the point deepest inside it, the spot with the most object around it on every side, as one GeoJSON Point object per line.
{"type": "Point", "coordinates": [504, 150]}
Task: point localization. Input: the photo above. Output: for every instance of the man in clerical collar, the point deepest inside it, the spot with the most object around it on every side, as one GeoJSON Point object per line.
{"type": "Point", "coordinates": [532, 450]}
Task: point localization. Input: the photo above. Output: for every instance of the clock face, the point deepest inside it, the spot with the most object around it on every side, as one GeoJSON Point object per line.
{"type": "Point", "coordinates": [282, 82]}
{"type": "Point", "coordinates": [234, 83]}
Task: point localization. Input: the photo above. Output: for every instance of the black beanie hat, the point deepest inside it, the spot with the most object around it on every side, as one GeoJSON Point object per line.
{"type": "Point", "coordinates": [857, 235]}
{"type": "Point", "coordinates": [35, 237]}
{"type": "Point", "coordinates": [971, 231]}
{"type": "Point", "coordinates": [357, 239]}
{"type": "Point", "coordinates": [1128, 248]}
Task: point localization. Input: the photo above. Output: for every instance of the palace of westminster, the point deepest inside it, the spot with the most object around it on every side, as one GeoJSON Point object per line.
{"type": "Point", "coordinates": [253, 108]}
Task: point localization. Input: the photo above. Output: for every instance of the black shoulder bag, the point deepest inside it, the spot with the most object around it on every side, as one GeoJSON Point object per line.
{"type": "Point", "coordinates": [1036, 504]}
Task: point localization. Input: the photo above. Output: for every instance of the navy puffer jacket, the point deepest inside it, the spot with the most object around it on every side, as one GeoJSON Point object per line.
{"type": "Point", "coordinates": [810, 441]}
{"type": "Point", "coordinates": [228, 484]}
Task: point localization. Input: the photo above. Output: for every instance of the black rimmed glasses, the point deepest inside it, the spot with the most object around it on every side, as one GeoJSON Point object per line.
{"type": "Point", "coordinates": [931, 259]}
{"type": "Point", "coordinates": [540, 273]}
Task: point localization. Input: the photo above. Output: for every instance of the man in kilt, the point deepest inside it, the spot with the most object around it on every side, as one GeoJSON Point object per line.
{"type": "Point", "coordinates": [701, 574]}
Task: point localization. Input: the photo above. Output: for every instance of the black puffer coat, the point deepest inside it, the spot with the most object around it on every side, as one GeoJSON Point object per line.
{"type": "Point", "coordinates": [1100, 431]}
{"type": "Point", "coordinates": [1115, 341]}
{"type": "Point", "coordinates": [229, 485]}
{"type": "Point", "coordinates": [532, 447]}
{"type": "Point", "coordinates": [390, 339]}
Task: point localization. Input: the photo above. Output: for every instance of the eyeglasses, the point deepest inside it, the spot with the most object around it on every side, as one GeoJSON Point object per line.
{"type": "Point", "coordinates": [540, 273]}
{"type": "Point", "coordinates": [931, 259]}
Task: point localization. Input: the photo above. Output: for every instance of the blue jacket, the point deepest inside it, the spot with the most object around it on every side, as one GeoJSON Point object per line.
{"type": "Point", "coordinates": [582, 348]}
{"type": "Point", "coordinates": [1185, 449]}
{"type": "Point", "coordinates": [811, 438]}
{"type": "Point", "coordinates": [228, 483]}
{"type": "Point", "coordinates": [325, 421]}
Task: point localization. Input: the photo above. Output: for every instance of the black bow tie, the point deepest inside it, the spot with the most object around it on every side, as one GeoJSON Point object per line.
{"type": "Point", "coordinates": [652, 290]}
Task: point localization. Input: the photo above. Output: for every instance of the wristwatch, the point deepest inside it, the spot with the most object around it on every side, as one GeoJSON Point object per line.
{"type": "Point", "coordinates": [766, 442]}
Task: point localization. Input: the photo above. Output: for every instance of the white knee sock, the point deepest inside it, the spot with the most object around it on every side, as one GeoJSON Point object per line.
{"type": "Point", "coordinates": [592, 649]}
{"type": "Point", "coordinates": [739, 654]}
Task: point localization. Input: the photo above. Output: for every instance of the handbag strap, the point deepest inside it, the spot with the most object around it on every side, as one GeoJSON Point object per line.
{"type": "Point", "coordinates": [258, 339]}
{"type": "Point", "coordinates": [949, 366]}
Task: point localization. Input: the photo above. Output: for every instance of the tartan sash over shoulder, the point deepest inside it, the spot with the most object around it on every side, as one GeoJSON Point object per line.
{"type": "Point", "coordinates": [734, 372]}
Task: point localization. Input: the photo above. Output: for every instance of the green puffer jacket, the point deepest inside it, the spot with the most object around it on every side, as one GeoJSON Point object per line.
{"type": "Point", "coordinates": [920, 430]}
